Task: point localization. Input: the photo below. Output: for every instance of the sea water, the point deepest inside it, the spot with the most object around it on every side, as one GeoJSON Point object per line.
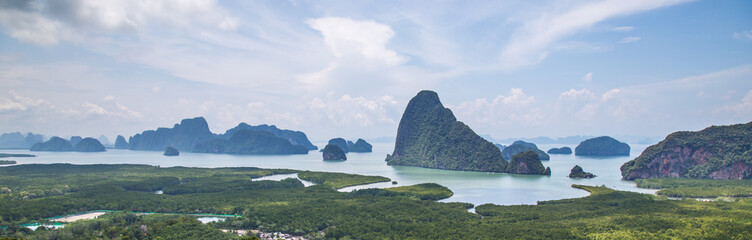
{"type": "Point", "coordinates": [473, 187]}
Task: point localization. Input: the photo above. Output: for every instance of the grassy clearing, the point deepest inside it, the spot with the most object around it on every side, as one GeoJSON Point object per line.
{"type": "Point", "coordinates": [698, 188]}
{"type": "Point", "coordinates": [340, 180]}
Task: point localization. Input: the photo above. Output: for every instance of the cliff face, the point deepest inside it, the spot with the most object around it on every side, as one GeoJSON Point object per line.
{"type": "Point", "coordinates": [718, 152]}
{"type": "Point", "coordinates": [430, 136]}
{"type": "Point", "coordinates": [521, 146]}
{"type": "Point", "coordinates": [183, 136]}
{"type": "Point", "coordinates": [602, 147]}
{"type": "Point", "coordinates": [294, 137]}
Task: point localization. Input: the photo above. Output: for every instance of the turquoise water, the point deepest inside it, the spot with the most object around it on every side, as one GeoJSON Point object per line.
{"type": "Point", "coordinates": [472, 187]}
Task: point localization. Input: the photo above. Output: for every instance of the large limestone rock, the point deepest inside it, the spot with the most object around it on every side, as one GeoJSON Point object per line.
{"type": "Point", "coordinates": [360, 146]}
{"type": "Point", "coordinates": [717, 152]}
{"type": "Point", "coordinates": [430, 136]}
{"type": "Point", "coordinates": [604, 146]}
{"type": "Point", "coordinates": [333, 152]}
{"type": "Point", "coordinates": [527, 162]}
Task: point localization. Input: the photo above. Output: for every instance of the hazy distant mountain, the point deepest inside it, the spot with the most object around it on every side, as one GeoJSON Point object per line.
{"type": "Point", "coordinates": [294, 137]}
{"type": "Point", "coordinates": [572, 139]}
{"type": "Point", "coordinates": [89, 145]}
{"type": "Point", "coordinates": [120, 142]}
{"type": "Point", "coordinates": [183, 136]}
{"type": "Point", "coordinates": [55, 144]}
{"type": "Point", "coordinates": [75, 140]}
{"type": "Point", "coordinates": [250, 142]}
{"type": "Point", "coordinates": [341, 143]}
{"type": "Point", "coordinates": [602, 147]}
{"type": "Point", "coordinates": [521, 146]}
{"type": "Point", "coordinates": [360, 145]}
{"type": "Point", "coordinates": [103, 139]}
{"type": "Point", "coordinates": [16, 140]}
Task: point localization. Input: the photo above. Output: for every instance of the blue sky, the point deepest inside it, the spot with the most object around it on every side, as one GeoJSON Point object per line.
{"type": "Point", "coordinates": [348, 68]}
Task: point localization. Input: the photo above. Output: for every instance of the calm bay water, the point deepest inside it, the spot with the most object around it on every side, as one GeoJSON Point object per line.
{"type": "Point", "coordinates": [473, 187]}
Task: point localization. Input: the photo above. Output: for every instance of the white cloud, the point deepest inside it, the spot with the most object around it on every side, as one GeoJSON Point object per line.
{"type": "Point", "coordinates": [30, 27]}
{"type": "Point", "coordinates": [611, 94]}
{"type": "Point", "coordinates": [743, 35]}
{"type": "Point", "coordinates": [624, 29]}
{"type": "Point", "coordinates": [46, 23]}
{"type": "Point", "coordinates": [20, 103]}
{"type": "Point", "coordinates": [504, 110]}
{"type": "Point", "coordinates": [741, 109]}
{"type": "Point", "coordinates": [588, 77]}
{"type": "Point", "coordinates": [532, 43]}
{"type": "Point", "coordinates": [352, 111]}
{"type": "Point", "coordinates": [630, 39]}
{"type": "Point", "coordinates": [573, 94]}
{"type": "Point", "coordinates": [346, 37]}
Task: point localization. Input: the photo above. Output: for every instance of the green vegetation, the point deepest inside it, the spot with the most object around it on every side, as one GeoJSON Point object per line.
{"type": "Point", "coordinates": [120, 225]}
{"type": "Point", "coordinates": [717, 152]}
{"type": "Point", "coordinates": [610, 214]}
{"type": "Point", "coordinates": [6, 155]}
{"type": "Point", "coordinates": [424, 191]}
{"type": "Point", "coordinates": [577, 172]}
{"type": "Point", "coordinates": [7, 162]}
{"type": "Point", "coordinates": [601, 147]}
{"type": "Point", "coordinates": [284, 206]}
{"type": "Point", "coordinates": [340, 180]}
{"type": "Point", "coordinates": [698, 188]}
{"type": "Point", "coordinates": [430, 136]}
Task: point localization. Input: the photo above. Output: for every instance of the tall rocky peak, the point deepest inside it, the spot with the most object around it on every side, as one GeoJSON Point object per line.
{"type": "Point", "coordinates": [183, 136]}
{"type": "Point", "coordinates": [430, 136]}
{"type": "Point", "coordinates": [716, 152]}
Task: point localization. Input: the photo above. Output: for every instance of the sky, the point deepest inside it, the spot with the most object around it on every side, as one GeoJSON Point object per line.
{"type": "Point", "coordinates": [348, 68]}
